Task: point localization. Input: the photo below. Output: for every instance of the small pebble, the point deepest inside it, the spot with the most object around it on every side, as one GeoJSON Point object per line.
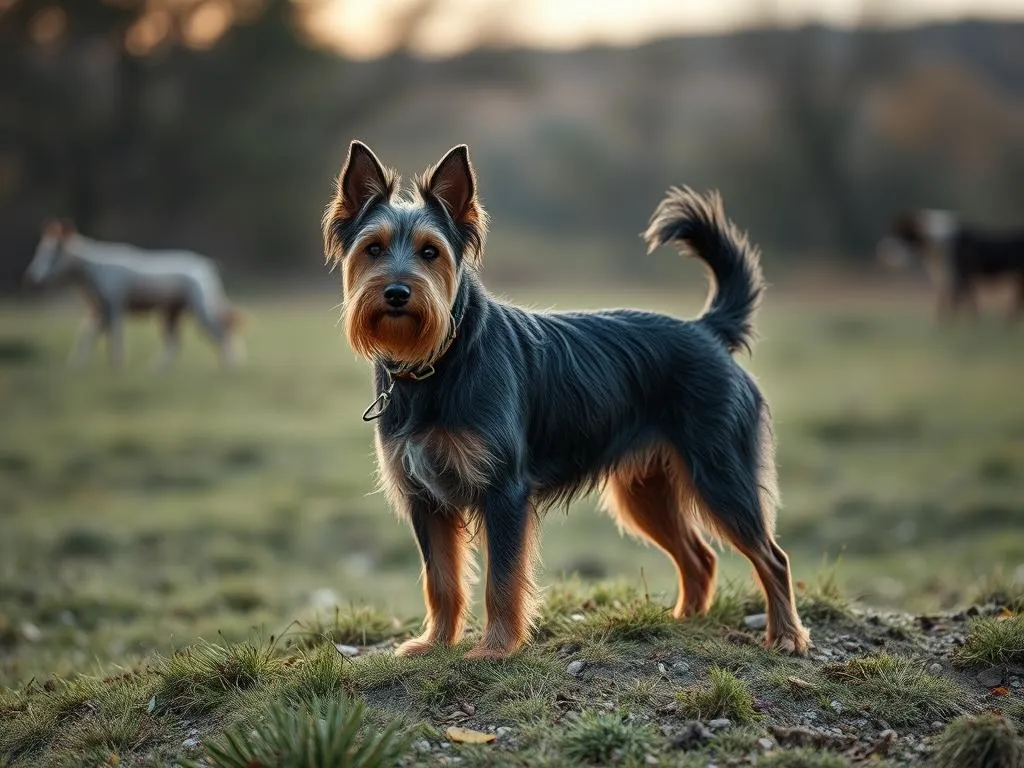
{"type": "Point", "coordinates": [190, 744]}
{"type": "Point", "coordinates": [935, 668]}
{"type": "Point", "coordinates": [422, 745]}
{"type": "Point", "coordinates": [31, 632]}
{"type": "Point", "coordinates": [661, 669]}
{"type": "Point", "coordinates": [719, 722]}
{"type": "Point", "coordinates": [578, 617]}
{"type": "Point", "coordinates": [348, 651]}
{"type": "Point", "coordinates": [765, 744]}
{"type": "Point", "coordinates": [575, 667]}
{"type": "Point", "coordinates": [756, 621]}
{"type": "Point", "coordinates": [681, 666]}
{"type": "Point", "coordinates": [836, 706]}
{"type": "Point", "coordinates": [458, 714]}
{"type": "Point", "coordinates": [444, 745]}
{"type": "Point", "coordinates": [938, 726]}
{"type": "Point", "coordinates": [991, 677]}
{"type": "Point", "coordinates": [650, 760]}
{"type": "Point", "coordinates": [503, 731]}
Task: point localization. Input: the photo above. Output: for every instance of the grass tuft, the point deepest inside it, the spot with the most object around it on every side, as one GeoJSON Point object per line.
{"type": "Point", "coordinates": [1001, 589]}
{"type": "Point", "coordinates": [894, 688]}
{"type": "Point", "coordinates": [606, 739]}
{"type": "Point", "coordinates": [317, 735]}
{"type": "Point", "coordinates": [640, 619]}
{"type": "Point", "coordinates": [724, 695]}
{"type": "Point", "coordinates": [360, 625]}
{"type": "Point", "coordinates": [994, 641]}
{"type": "Point", "coordinates": [984, 741]}
{"type": "Point", "coordinates": [322, 672]}
{"type": "Point", "coordinates": [823, 599]}
{"type": "Point", "coordinates": [204, 676]}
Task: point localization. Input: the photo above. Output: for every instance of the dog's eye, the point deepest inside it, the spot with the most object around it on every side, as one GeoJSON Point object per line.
{"type": "Point", "coordinates": [429, 253]}
{"type": "Point", "coordinates": [374, 250]}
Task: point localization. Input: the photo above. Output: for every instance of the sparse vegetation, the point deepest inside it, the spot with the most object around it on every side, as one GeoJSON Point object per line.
{"type": "Point", "coordinates": [359, 625]}
{"type": "Point", "coordinates": [724, 695]}
{"type": "Point", "coordinates": [317, 735]}
{"type": "Point", "coordinates": [204, 676]}
{"type": "Point", "coordinates": [604, 739]}
{"type": "Point", "coordinates": [140, 513]}
{"type": "Point", "coordinates": [894, 688]}
{"type": "Point", "coordinates": [981, 741]}
{"type": "Point", "coordinates": [994, 641]}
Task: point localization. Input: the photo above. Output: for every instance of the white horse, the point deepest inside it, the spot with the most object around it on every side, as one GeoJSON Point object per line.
{"type": "Point", "coordinates": [118, 279]}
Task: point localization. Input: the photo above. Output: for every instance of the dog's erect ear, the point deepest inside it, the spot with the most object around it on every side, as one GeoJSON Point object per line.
{"type": "Point", "coordinates": [362, 177]}
{"type": "Point", "coordinates": [453, 182]}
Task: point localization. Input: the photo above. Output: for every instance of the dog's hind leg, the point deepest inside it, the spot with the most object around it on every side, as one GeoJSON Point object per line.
{"type": "Point", "coordinates": [657, 504]}
{"type": "Point", "coordinates": [737, 488]}
{"type": "Point", "coordinates": [443, 540]}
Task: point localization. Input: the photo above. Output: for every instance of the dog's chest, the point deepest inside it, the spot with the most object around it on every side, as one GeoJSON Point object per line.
{"type": "Point", "coordinates": [453, 466]}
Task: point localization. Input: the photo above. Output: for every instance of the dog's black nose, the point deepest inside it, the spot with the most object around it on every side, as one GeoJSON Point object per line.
{"type": "Point", "coordinates": [397, 294]}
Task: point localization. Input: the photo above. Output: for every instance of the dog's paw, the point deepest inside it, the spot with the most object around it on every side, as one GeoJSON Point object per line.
{"type": "Point", "coordinates": [418, 646]}
{"type": "Point", "coordinates": [795, 642]}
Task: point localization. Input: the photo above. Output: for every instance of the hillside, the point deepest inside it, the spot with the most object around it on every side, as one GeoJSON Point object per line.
{"type": "Point", "coordinates": [610, 679]}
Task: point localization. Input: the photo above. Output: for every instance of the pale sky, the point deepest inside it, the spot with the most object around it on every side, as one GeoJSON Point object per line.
{"type": "Point", "coordinates": [367, 28]}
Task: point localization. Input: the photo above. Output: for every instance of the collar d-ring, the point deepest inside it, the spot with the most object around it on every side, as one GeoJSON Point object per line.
{"type": "Point", "coordinates": [380, 404]}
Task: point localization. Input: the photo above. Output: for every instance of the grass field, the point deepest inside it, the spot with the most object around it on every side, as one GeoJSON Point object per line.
{"type": "Point", "coordinates": [139, 512]}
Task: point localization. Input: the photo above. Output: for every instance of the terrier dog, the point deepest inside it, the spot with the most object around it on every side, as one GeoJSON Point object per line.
{"type": "Point", "coordinates": [487, 413]}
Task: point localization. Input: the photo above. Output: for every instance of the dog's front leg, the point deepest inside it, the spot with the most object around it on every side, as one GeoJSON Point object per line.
{"type": "Point", "coordinates": [509, 524]}
{"type": "Point", "coordinates": [443, 540]}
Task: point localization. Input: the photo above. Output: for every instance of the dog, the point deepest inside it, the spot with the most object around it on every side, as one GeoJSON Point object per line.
{"type": "Point", "coordinates": [487, 414]}
{"type": "Point", "coordinates": [118, 280]}
{"type": "Point", "coordinates": [958, 257]}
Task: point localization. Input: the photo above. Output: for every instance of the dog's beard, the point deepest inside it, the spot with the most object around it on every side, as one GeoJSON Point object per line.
{"type": "Point", "coordinates": [413, 335]}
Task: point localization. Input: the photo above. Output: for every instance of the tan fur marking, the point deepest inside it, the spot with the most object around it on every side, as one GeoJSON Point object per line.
{"type": "Point", "coordinates": [652, 497]}
{"type": "Point", "coordinates": [464, 453]}
{"type": "Point", "coordinates": [413, 338]}
{"type": "Point", "coordinates": [512, 612]}
{"type": "Point", "coordinates": [444, 584]}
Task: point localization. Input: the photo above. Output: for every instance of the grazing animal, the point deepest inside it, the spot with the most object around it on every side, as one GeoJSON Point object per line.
{"type": "Point", "coordinates": [958, 257]}
{"type": "Point", "coordinates": [486, 413]}
{"type": "Point", "coordinates": [119, 279]}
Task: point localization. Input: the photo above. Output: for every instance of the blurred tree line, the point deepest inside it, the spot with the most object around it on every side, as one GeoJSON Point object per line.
{"type": "Point", "coordinates": [217, 125]}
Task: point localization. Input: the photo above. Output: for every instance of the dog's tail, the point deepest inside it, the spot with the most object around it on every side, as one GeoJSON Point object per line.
{"type": "Point", "coordinates": [697, 225]}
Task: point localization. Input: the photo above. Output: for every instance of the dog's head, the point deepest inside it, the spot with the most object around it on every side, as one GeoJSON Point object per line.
{"type": "Point", "coordinates": [402, 257]}
{"type": "Point", "coordinates": [915, 233]}
{"type": "Point", "coordinates": [45, 263]}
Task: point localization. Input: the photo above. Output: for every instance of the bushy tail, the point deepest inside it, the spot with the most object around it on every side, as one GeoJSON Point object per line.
{"type": "Point", "coordinates": [697, 225]}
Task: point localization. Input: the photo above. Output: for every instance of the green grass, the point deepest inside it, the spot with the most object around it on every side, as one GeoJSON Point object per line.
{"type": "Point", "coordinates": [994, 641]}
{"type": "Point", "coordinates": [724, 695]}
{"type": "Point", "coordinates": [894, 688]}
{"type": "Point", "coordinates": [141, 513]}
{"type": "Point", "coordinates": [317, 735]}
{"type": "Point", "coordinates": [604, 739]}
{"type": "Point", "coordinates": [982, 741]}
